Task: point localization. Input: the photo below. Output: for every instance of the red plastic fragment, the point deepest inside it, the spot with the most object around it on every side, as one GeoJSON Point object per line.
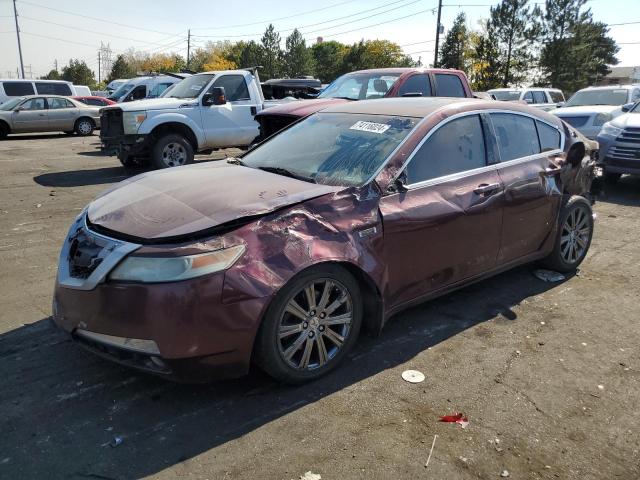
{"type": "Point", "coordinates": [456, 418]}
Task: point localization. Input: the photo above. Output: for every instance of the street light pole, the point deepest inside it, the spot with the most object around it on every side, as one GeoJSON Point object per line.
{"type": "Point", "coordinates": [435, 56]}
{"type": "Point", "coordinates": [15, 16]}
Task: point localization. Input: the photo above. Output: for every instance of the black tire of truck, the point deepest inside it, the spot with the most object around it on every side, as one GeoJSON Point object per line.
{"type": "Point", "coordinates": [171, 150]}
{"type": "Point", "coordinates": [4, 130]}
{"type": "Point", "coordinates": [127, 161]}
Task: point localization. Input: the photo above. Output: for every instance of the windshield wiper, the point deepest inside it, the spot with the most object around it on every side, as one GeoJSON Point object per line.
{"type": "Point", "coordinates": [346, 98]}
{"type": "Point", "coordinates": [287, 173]}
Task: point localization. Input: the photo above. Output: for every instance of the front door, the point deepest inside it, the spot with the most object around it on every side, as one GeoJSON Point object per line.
{"type": "Point", "coordinates": [31, 116]}
{"type": "Point", "coordinates": [231, 124]}
{"type": "Point", "coordinates": [62, 114]}
{"type": "Point", "coordinates": [446, 227]}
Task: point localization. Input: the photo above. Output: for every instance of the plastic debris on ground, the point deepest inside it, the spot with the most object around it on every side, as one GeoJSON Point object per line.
{"type": "Point", "coordinates": [548, 275]}
{"type": "Point", "coordinates": [310, 476]}
{"type": "Point", "coordinates": [116, 441]}
{"type": "Point", "coordinates": [413, 376]}
{"type": "Point", "coordinates": [456, 418]}
{"type": "Point", "coordinates": [504, 473]}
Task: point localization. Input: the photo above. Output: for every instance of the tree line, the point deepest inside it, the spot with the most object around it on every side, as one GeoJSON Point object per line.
{"type": "Point", "coordinates": [559, 45]}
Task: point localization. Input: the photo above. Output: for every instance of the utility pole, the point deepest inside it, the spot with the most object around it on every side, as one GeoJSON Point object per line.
{"type": "Point", "coordinates": [55, 63]}
{"type": "Point", "coordinates": [435, 56]}
{"type": "Point", "coordinates": [15, 16]}
{"type": "Point", "coordinates": [99, 64]}
{"type": "Point", "coordinates": [188, 46]}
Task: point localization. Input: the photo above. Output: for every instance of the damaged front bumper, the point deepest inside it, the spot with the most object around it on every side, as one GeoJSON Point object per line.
{"type": "Point", "coordinates": [125, 145]}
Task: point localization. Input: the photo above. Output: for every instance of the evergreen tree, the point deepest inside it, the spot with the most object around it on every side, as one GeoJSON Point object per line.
{"type": "Point", "coordinates": [120, 69]}
{"type": "Point", "coordinates": [272, 54]}
{"type": "Point", "coordinates": [78, 73]}
{"type": "Point", "coordinates": [453, 51]}
{"type": "Point", "coordinates": [298, 61]}
{"type": "Point", "coordinates": [52, 75]}
{"type": "Point", "coordinates": [485, 67]}
{"type": "Point", "coordinates": [328, 58]}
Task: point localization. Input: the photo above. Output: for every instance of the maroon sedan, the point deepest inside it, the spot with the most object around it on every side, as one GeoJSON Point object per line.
{"type": "Point", "coordinates": [343, 219]}
{"type": "Point", "coordinates": [95, 101]}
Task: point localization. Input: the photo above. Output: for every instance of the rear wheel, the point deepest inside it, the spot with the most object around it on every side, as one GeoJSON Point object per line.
{"type": "Point", "coordinates": [172, 150]}
{"type": "Point", "coordinates": [574, 236]}
{"type": "Point", "coordinates": [311, 325]}
{"type": "Point", "coordinates": [4, 130]}
{"type": "Point", "coordinates": [84, 126]}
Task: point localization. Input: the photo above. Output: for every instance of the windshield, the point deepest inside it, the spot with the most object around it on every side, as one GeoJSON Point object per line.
{"type": "Point", "coordinates": [505, 96]}
{"type": "Point", "coordinates": [10, 104]}
{"type": "Point", "coordinates": [360, 86]}
{"type": "Point", "coordinates": [635, 108]}
{"type": "Point", "coordinates": [122, 91]}
{"type": "Point", "coordinates": [613, 96]}
{"type": "Point", "coordinates": [333, 148]}
{"type": "Point", "coordinates": [190, 87]}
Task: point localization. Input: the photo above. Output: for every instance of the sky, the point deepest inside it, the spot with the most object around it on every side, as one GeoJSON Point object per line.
{"type": "Point", "coordinates": [64, 29]}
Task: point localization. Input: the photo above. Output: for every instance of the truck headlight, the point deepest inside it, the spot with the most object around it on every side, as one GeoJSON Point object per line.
{"type": "Point", "coordinates": [173, 269]}
{"type": "Point", "coordinates": [608, 129]}
{"type": "Point", "coordinates": [131, 121]}
{"type": "Point", "coordinates": [601, 118]}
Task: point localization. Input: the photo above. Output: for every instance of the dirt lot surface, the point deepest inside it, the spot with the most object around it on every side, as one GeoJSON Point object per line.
{"type": "Point", "coordinates": [548, 374]}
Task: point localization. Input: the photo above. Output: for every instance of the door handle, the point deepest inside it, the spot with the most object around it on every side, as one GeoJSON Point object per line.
{"type": "Point", "coordinates": [486, 188]}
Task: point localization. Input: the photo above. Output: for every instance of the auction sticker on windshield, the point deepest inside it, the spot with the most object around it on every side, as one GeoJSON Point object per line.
{"type": "Point", "coordinates": [370, 127]}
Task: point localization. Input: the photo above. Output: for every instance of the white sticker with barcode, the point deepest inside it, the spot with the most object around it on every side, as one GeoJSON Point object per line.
{"type": "Point", "coordinates": [370, 127]}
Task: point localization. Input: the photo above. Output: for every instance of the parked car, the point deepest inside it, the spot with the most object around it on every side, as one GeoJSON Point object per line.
{"type": "Point", "coordinates": [82, 91]}
{"type": "Point", "coordinates": [369, 84]}
{"type": "Point", "coordinates": [150, 86]}
{"type": "Point", "coordinates": [280, 88]}
{"type": "Point", "coordinates": [95, 101]}
{"type": "Point", "coordinates": [350, 215]}
{"type": "Point", "coordinates": [50, 113]}
{"type": "Point", "coordinates": [13, 88]}
{"type": "Point", "coordinates": [113, 85]}
{"type": "Point", "coordinates": [590, 108]}
{"type": "Point", "coordinates": [619, 142]}
{"type": "Point", "coordinates": [205, 111]}
{"type": "Point", "coordinates": [543, 98]}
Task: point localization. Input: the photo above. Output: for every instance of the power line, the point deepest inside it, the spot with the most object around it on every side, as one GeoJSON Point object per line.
{"type": "Point", "coordinates": [416, 43]}
{"type": "Point", "coordinates": [624, 23]}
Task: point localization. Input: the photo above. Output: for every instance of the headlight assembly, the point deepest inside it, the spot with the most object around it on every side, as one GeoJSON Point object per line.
{"type": "Point", "coordinates": [173, 269]}
{"type": "Point", "coordinates": [608, 129]}
{"type": "Point", "coordinates": [601, 118]}
{"type": "Point", "coordinates": [131, 121]}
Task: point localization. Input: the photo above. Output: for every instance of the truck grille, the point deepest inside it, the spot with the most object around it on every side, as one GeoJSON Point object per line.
{"type": "Point", "coordinates": [575, 121]}
{"type": "Point", "coordinates": [630, 135]}
{"type": "Point", "coordinates": [111, 123]}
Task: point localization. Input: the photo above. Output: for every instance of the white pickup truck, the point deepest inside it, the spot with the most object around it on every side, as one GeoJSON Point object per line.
{"type": "Point", "coordinates": [202, 112]}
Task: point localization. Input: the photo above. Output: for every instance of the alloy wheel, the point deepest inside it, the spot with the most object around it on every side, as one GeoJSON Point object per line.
{"type": "Point", "coordinates": [315, 324]}
{"type": "Point", "coordinates": [174, 154]}
{"type": "Point", "coordinates": [84, 127]}
{"type": "Point", "coordinates": [575, 235]}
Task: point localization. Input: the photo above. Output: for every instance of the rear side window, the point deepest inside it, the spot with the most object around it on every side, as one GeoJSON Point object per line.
{"type": "Point", "coordinates": [18, 89]}
{"type": "Point", "coordinates": [556, 97]}
{"type": "Point", "coordinates": [449, 85]}
{"type": "Point", "coordinates": [455, 147]}
{"type": "Point", "coordinates": [539, 97]}
{"type": "Point", "coordinates": [45, 88]}
{"type": "Point", "coordinates": [235, 88]}
{"type": "Point", "coordinates": [549, 136]}
{"type": "Point", "coordinates": [416, 84]}
{"type": "Point", "coordinates": [93, 101]}
{"type": "Point", "coordinates": [528, 97]}
{"type": "Point", "coordinates": [516, 135]}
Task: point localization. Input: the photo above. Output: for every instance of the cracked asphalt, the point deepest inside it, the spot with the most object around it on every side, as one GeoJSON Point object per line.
{"type": "Point", "coordinates": [548, 374]}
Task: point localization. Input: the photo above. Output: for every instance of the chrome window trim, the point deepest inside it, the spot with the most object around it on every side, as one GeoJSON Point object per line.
{"type": "Point", "coordinates": [474, 171]}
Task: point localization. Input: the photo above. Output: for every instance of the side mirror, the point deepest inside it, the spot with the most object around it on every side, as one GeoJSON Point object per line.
{"type": "Point", "coordinates": [627, 107]}
{"type": "Point", "coordinates": [560, 104]}
{"type": "Point", "coordinates": [576, 154]}
{"type": "Point", "coordinates": [215, 97]}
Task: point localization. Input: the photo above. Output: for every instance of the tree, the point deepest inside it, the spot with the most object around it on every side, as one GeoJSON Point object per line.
{"type": "Point", "coordinates": [162, 62]}
{"type": "Point", "coordinates": [78, 73]}
{"type": "Point", "coordinates": [120, 69]}
{"type": "Point", "coordinates": [375, 54]}
{"type": "Point", "coordinates": [251, 56]}
{"type": "Point", "coordinates": [328, 58]}
{"type": "Point", "coordinates": [591, 52]}
{"type": "Point", "coordinates": [455, 45]}
{"type": "Point", "coordinates": [516, 31]}
{"type": "Point", "coordinates": [272, 59]}
{"type": "Point", "coordinates": [52, 75]}
{"type": "Point", "coordinates": [298, 61]}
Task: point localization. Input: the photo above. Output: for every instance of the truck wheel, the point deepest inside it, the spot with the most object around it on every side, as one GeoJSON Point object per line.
{"type": "Point", "coordinates": [84, 127]}
{"type": "Point", "coordinates": [172, 150]}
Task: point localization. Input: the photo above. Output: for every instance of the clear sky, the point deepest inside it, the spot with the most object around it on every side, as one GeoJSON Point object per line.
{"type": "Point", "coordinates": [65, 29]}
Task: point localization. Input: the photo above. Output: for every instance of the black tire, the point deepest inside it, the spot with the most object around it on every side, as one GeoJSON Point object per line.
{"type": "Point", "coordinates": [562, 259]}
{"type": "Point", "coordinates": [171, 150]}
{"type": "Point", "coordinates": [127, 161]}
{"type": "Point", "coordinates": [84, 126]}
{"type": "Point", "coordinates": [4, 130]}
{"type": "Point", "coordinates": [611, 178]}
{"type": "Point", "coordinates": [270, 350]}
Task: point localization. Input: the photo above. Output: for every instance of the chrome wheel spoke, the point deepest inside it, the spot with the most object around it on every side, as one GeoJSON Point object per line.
{"type": "Point", "coordinates": [306, 355]}
{"type": "Point", "coordinates": [287, 330]}
{"type": "Point", "coordinates": [296, 310]}
{"type": "Point", "coordinates": [334, 337]}
{"type": "Point", "coordinates": [295, 346]}
{"type": "Point", "coordinates": [322, 350]}
{"type": "Point", "coordinates": [310, 294]}
{"type": "Point", "coordinates": [337, 320]}
{"type": "Point", "coordinates": [324, 299]}
{"type": "Point", "coordinates": [581, 242]}
{"type": "Point", "coordinates": [335, 305]}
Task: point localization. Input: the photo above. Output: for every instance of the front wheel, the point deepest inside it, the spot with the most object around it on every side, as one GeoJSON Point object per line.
{"type": "Point", "coordinates": [84, 127]}
{"type": "Point", "coordinates": [311, 325]}
{"type": "Point", "coordinates": [574, 236]}
{"type": "Point", "coordinates": [172, 151]}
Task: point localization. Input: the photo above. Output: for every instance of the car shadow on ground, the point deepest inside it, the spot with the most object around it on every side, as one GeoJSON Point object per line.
{"type": "Point", "coordinates": [79, 178]}
{"type": "Point", "coordinates": [61, 407]}
{"type": "Point", "coordinates": [41, 136]}
{"type": "Point", "coordinates": [625, 191]}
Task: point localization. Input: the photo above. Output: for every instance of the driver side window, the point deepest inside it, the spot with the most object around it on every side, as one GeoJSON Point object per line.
{"type": "Point", "coordinates": [33, 104]}
{"type": "Point", "coordinates": [235, 88]}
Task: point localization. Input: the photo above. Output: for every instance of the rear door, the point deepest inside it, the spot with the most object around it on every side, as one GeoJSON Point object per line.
{"type": "Point", "coordinates": [446, 227]}
{"type": "Point", "coordinates": [231, 124]}
{"type": "Point", "coordinates": [528, 172]}
{"type": "Point", "coordinates": [31, 116]}
{"type": "Point", "coordinates": [62, 114]}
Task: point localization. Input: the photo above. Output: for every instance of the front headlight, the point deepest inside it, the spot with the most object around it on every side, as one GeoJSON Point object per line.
{"type": "Point", "coordinates": [173, 269]}
{"type": "Point", "coordinates": [131, 121]}
{"type": "Point", "coordinates": [601, 118]}
{"type": "Point", "coordinates": [608, 129]}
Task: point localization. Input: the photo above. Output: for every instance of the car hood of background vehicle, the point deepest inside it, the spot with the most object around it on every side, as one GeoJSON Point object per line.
{"type": "Point", "coordinates": [185, 200]}
{"type": "Point", "coordinates": [627, 120]}
{"type": "Point", "coordinates": [155, 104]}
{"type": "Point", "coordinates": [584, 110]}
{"type": "Point", "coordinates": [301, 108]}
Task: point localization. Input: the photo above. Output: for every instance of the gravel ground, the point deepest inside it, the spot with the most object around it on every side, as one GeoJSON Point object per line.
{"type": "Point", "coordinates": [548, 374]}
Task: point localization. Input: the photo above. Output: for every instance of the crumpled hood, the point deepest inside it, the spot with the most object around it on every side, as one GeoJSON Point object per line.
{"type": "Point", "coordinates": [154, 104]}
{"type": "Point", "coordinates": [584, 110]}
{"type": "Point", "coordinates": [181, 201]}
{"type": "Point", "coordinates": [627, 120]}
{"type": "Point", "coordinates": [301, 108]}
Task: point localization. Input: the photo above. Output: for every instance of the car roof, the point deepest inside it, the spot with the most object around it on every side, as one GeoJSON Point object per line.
{"type": "Point", "coordinates": [611, 87]}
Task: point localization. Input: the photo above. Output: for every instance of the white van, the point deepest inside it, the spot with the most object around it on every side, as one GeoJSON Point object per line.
{"type": "Point", "coordinates": [543, 98]}
{"type": "Point", "coordinates": [143, 87]}
{"type": "Point", "coordinates": [116, 84]}
{"type": "Point", "coordinates": [82, 91]}
{"type": "Point", "coordinates": [11, 88]}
